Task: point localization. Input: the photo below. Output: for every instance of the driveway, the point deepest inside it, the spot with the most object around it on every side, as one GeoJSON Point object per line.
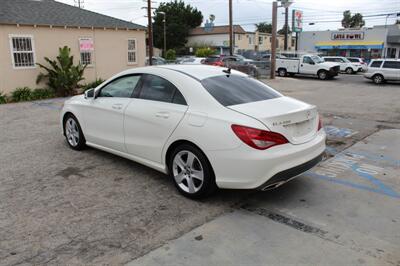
{"type": "Point", "coordinates": [58, 206]}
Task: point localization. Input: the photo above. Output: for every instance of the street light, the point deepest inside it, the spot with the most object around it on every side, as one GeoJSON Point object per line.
{"type": "Point", "coordinates": [285, 4]}
{"type": "Point", "coordinates": [165, 33]}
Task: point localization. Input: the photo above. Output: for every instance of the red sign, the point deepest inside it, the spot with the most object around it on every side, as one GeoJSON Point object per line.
{"type": "Point", "coordinates": [86, 44]}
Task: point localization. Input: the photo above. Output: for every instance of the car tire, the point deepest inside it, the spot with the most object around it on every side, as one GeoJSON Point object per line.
{"type": "Point", "coordinates": [282, 72]}
{"type": "Point", "coordinates": [191, 172]}
{"type": "Point", "coordinates": [349, 70]}
{"type": "Point", "coordinates": [73, 133]}
{"type": "Point", "coordinates": [322, 74]}
{"type": "Point", "coordinates": [378, 79]}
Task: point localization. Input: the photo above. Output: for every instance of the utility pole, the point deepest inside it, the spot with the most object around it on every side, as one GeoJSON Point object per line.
{"type": "Point", "coordinates": [285, 45]}
{"type": "Point", "coordinates": [165, 32]}
{"type": "Point", "coordinates": [230, 29]}
{"type": "Point", "coordinates": [273, 39]}
{"type": "Point", "coordinates": [79, 3]}
{"type": "Point", "coordinates": [150, 32]}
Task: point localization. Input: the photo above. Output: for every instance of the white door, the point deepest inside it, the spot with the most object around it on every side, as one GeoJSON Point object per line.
{"type": "Point", "coordinates": [152, 117]}
{"type": "Point", "coordinates": [104, 115]}
{"type": "Point", "coordinates": [308, 66]}
{"type": "Point", "coordinates": [391, 70]}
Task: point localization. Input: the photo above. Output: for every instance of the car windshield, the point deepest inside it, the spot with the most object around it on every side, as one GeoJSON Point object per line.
{"type": "Point", "coordinates": [317, 59]}
{"type": "Point", "coordinates": [346, 60]}
{"type": "Point", "coordinates": [212, 59]}
{"type": "Point", "coordinates": [234, 89]}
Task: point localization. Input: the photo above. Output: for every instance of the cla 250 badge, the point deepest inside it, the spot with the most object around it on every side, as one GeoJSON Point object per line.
{"type": "Point", "coordinates": [281, 123]}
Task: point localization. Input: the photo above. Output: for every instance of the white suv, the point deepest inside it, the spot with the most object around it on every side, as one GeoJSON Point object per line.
{"type": "Point", "coordinates": [381, 70]}
{"type": "Point", "coordinates": [345, 64]}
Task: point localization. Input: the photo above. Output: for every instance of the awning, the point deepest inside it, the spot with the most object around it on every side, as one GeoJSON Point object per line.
{"type": "Point", "coordinates": [349, 45]}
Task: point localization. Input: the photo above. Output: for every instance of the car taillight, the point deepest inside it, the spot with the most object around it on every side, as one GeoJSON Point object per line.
{"type": "Point", "coordinates": [319, 123]}
{"type": "Point", "coordinates": [218, 63]}
{"type": "Point", "coordinates": [257, 138]}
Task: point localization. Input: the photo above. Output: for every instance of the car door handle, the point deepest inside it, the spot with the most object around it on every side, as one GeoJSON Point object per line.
{"type": "Point", "coordinates": [117, 106]}
{"type": "Point", "coordinates": [162, 115]}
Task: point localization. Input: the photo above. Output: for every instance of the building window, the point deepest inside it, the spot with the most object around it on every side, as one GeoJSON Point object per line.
{"type": "Point", "coordinates": [86, 48]}
{"type": "Point", "coordinates": [132, 51]}
{"type": "Point", "coordinates": [239, 37]}
{"type": "Point", "coordinates": [260, 40]}
{"type": "Point", "coordinates": [86, 58]}
{"type": "Point", "coordinates": [23, 54]}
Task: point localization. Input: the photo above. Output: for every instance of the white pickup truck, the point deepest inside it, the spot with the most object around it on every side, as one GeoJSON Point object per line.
{"type": "Point", "coordinates": [307, 65]}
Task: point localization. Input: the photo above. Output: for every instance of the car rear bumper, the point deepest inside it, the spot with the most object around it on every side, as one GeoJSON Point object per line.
{"type": "Point", "coordinates": [248, 168]}
{"type": "Point", "coordinates": [289, 174]}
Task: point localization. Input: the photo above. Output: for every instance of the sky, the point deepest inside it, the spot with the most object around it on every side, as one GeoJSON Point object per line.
{"type": "Point", "coordinates": [323, 13]}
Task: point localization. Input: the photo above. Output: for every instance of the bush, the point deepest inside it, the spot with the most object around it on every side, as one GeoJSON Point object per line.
{"type": "Point", "coordinates": [170, 54]}
{"type": "Point", "coordinates": [42, 93]}
{"type": "Point", "coordinates": [62, 75]}
{"type": "Point", "coordinates": [93, 84]}
{"type": "Point", "coordinates": [21, 94]}
{"type": "Point", "coordinates": [3, 98]}
{"type": "Point", "coordinates": [204, 52]}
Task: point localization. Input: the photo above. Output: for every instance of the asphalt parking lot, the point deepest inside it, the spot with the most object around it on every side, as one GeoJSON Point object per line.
{"type": "Point", "coordinates": [58, 206]}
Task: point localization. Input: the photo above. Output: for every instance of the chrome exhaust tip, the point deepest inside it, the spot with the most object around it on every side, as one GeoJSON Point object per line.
{"type": "Point", "coordinates": [273, 186]}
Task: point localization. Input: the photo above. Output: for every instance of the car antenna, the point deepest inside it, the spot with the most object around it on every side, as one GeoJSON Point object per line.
{"type": "Point", "coordinates": [227, 71]}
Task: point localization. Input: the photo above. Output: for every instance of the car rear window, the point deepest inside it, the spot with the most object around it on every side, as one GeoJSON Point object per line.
{"type": "Point", "coordinates": [376, 64]}
{"type": "Point", "coordinates": [353, 60]}
{"type": "Point", "coordinates": [234, 89]}
{"type": "Point", "coordinates": [391, 64]}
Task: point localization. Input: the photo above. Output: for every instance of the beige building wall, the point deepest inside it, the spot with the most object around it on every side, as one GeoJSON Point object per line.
{"type": "Point", "coordinates": [110, 54]}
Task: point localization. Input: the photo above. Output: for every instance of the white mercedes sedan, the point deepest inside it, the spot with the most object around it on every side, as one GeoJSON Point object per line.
{"type": "Point", "coordinates": [206, 127]}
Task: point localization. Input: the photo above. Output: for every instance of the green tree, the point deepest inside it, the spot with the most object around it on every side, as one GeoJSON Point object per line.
{"type": "Point", "coordinates": [264, 27]}
{"type": "Point", "coordinates": [170, 54]}
{"type": "Point", "coordinates": [352, 21]}
{"type": "Point", "coordinates": [180, 19]}
{"type": "Point", "coordinates": [205, 51]}
{"type": "Point", "coordinates": [62, 75]}
{"type": "Point", "coordinates": [282, 31]}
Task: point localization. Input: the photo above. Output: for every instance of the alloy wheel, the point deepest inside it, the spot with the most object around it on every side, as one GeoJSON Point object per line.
{"type": "Point", "coordinates": [188, 171]}
{"type": "Point", "coordinates": [72, 132]}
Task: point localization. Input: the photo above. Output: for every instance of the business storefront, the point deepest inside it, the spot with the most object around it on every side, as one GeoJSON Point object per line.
{"type": "Point", "coordinates": [366, 43]}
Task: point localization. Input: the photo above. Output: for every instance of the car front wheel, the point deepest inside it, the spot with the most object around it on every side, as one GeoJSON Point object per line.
{"type": "Point", "coordinates": [191, 172]}
{"type": "Point", "coordinates": [73, 133]}
{"type": "Point", "coordinates": [378, 79]}
{"type": "Point", "coordinates": [322, 75]}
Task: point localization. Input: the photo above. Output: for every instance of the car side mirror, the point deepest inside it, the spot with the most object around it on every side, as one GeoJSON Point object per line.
{"type": "Point", "coordinates": [89, 93]}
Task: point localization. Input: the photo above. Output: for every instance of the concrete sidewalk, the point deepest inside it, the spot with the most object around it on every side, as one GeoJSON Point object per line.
{"type": "Point", "coordinates": [345, 211]}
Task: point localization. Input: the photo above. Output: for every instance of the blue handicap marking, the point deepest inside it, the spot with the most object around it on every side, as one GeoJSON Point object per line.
{"type": "Point", "coordinates": [339, 132]}
{"type": "Point", "coordinates": [351, 161]}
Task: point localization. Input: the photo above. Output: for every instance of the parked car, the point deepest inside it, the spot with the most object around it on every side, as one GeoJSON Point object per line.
{"type": "Point", "coordinates": [381, 70]}
{"type": "Point", "coordinates": [214, 60]}
{"type": "Point", "coordinates": [238, 63]}
{"type": "Point", "coordinates": [307, 65]}
{"type": "Point", "coordinates": [345, 65]}
{"type": "Point", "coordinates": [358, 62]}
{"type": "Point", "coordinates": [207, 127]}
{"type": "Point", "coordinates": [193, 61]}
{"type": "Point", "coordinates": [156, 61]}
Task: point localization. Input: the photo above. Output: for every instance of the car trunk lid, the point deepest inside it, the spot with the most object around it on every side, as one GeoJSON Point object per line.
{"type": "Point", "coordinates": [295, 120]}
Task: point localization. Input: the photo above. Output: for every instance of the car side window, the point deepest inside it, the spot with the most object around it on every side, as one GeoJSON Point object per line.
{"type": "Point", "coordinates": [307, 60]}
{"type": "Point", "coordinates": [159, 89]}
{"type": "Point", "coordinates": [391, 64]}
{"type": "Point", "coordinates": [121, 87]}
{"type": "Point", "coordinates": [328, 59]}
{"type": "Point", "coordinates": [376, 64]}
